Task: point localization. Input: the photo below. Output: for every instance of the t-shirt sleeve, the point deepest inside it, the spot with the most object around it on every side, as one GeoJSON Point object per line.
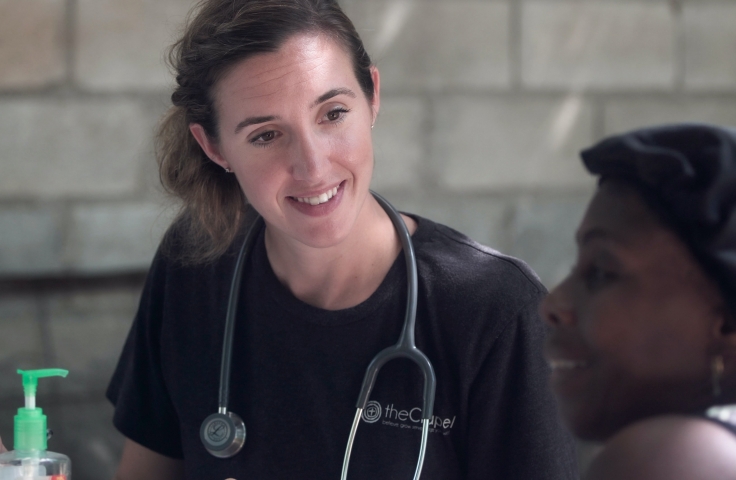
{"type": "Point", "coordinates": [144, 412]}
{"type": "Point", "coordinates": [515, 428]}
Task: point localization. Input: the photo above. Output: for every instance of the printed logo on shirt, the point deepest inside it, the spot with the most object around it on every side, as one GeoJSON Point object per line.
{"type": "Point", "coordinates": [391, 416]}
{"type": "Point", "coordinates": [372, 412]}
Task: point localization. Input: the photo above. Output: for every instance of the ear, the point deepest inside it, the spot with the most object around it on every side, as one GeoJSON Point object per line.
{"type": "Point", "coordinates": [724, 331]}
{"type": "Point", "coordinates": [211, 149]}
{"type": "Point", "coordinates": [724, 345]}
{"type": "Point", "coordinates": [376, 102]}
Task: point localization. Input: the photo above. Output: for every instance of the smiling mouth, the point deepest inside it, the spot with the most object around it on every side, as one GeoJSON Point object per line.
{"type": "Point", "coordinates": [318, 199]}
{"type": "Point", "coordinates": [567, 364]}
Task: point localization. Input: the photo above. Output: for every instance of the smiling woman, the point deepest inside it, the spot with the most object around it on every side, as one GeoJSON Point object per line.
{"type": "Point", "coordinates": [644, 327]}
{"type": "Point", "coordinates": [303, 155]}
{"type": "Point", "coordinates": [269, 145]}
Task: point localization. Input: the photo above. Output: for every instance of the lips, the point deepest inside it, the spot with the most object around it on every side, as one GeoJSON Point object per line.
{"type": "Point", "coordinates": [570, 379]}
{"type": "Point", "coordinates": [318, 198]}
{"type": "Point", "coordinates": [318, 203]}
{"type": "Point", "coordinates": [564, 353]}
{"type": "Point", "coordinates": [323, 197]}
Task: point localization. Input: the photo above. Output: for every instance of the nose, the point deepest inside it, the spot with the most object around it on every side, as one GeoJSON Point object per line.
{"type": "Point", "coordinates": [310, 158]}
{"type": "Point", "coordinates": [557, 309]}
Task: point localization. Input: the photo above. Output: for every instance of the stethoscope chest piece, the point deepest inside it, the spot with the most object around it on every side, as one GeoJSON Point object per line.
{"type": "Point", "coordinates": [223, 434]}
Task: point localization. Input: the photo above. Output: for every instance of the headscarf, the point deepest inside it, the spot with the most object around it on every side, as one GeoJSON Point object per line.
{"type": "Point", "coordinates": [686, 173]}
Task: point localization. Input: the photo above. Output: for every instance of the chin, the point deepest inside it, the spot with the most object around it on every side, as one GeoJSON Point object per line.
{"type": "Point", "coordinates": [592, 432]}
{"type": "Point", "coordinates": [324, 236]}
{"type": "Point", "coordinates": [589, 425]}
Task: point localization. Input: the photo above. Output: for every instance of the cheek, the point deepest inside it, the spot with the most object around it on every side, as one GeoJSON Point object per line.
{"type": "Point", "coordinates": [258, 180]}
{"type": "Point", "coordinates": [354, 148]}
{"type": "Point", "coordinates": [645, 344]}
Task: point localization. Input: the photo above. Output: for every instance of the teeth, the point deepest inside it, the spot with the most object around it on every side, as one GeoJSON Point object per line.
{"type": "Point", "coordinates": [567, 364]}
{"type": "Point", "coordinates": [322, 198]}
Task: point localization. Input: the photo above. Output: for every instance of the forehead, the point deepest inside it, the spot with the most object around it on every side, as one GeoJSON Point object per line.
{"type": "Point", "coordinates": [617, 209]}
{"type": "Point", "coordinates": [304, 64]}
{"type": "Point", "coordinates": [620, 220]}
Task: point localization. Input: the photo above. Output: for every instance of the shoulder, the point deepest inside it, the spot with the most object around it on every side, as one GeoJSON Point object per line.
{"type": "Point", "coordinates": [174, 273]}
{"type": "Point", "coordinates": [667, 447]}
{"type": "Point", "coordinates": [475, 294]}
{"type": "Point", "coordinates": [451, 256]}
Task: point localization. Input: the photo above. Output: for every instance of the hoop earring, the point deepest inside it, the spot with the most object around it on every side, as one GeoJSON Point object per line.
{"type": "Point", "coordinates": [716, 370]}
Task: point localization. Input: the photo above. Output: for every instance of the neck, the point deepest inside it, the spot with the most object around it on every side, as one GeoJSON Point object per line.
{"type": "Point", "coordinates": [343, 275]}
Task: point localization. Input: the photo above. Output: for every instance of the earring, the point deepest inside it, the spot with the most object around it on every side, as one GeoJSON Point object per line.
{"type": "Point", "coordinates": [227, 169]}
{"type": "Point", "coordinates": [716, 370]}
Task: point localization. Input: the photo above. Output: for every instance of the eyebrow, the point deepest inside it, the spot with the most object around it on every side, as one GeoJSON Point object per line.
{"type": "Point", "coordinates": [333, 93]}
{"type": "Point", "coordinates": [253, 121]}
{"type": "Point", "coordinates": [596, 233]}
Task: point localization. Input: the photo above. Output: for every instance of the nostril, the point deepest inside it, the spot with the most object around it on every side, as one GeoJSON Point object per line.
{"type": "Point", "coordinates": [553, 313]}
{"type": "Point", "coordinates": [552, 319]}
{"type": "Point", "coordinates": [545, 310]}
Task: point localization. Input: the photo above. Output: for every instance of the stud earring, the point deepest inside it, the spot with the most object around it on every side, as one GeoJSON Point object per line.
{"type": "Point", "coordinates": [716, 371]}
{"type": "Point", "coordinates": [227, 169]}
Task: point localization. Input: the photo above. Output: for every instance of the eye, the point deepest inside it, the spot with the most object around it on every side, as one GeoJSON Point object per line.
{"type": "Point", "coordinates": [596, 277]}
{"type": "Point", "coordinates": [336, 115]}
{"type": "Point", "coordinates": [264, 138]}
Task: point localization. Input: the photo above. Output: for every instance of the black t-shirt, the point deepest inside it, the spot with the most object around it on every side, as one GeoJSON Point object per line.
{"type": "Point", "coordinates": [297, 371]}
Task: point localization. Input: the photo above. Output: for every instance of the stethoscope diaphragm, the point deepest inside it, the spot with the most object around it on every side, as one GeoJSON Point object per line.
{"type": "Point", "coordinates": [223, 434]}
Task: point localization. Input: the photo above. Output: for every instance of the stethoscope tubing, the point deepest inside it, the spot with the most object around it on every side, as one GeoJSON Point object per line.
{"type": "Point", "coordinates": [404, 348]}
{"type": "Point", "coordinates": [351, 440]}
{"type": "Point", "coordinates": [232, 307]}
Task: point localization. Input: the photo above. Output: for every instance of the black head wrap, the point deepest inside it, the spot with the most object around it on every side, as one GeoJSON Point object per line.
{"type": "Point", "coordinates": [687, 173]}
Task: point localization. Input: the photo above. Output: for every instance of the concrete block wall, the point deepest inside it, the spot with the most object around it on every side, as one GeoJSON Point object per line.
{"type": "Point", "coordinates": [485, 104]}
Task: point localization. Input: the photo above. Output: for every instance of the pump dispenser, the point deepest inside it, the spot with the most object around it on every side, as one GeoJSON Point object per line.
{"type": "Point", "coordinates": [30, 460]}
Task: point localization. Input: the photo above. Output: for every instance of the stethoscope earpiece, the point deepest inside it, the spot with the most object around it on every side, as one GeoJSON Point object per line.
{"type": "Point", "coordinates": [223, 434]}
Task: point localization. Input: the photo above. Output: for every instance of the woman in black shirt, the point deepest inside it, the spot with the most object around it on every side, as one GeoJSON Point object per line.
{"type": "Point", "coordinates": [272, 113]}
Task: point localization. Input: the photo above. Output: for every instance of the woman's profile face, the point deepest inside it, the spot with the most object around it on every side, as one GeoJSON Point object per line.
{"type": "Point", "coordinates": [295, 128]}
{"type": "Point", "coordinates": [633, 324]}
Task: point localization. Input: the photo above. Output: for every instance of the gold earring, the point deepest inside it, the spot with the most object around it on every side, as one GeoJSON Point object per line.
{"type": "Point", "coordinates": [716, 370]}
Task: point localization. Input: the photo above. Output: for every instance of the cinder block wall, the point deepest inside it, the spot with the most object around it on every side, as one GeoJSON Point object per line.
{"type": "Point", "coordinates": [485, 105]}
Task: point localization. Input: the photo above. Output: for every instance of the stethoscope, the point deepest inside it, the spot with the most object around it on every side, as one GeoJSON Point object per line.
{"type": "Point", "coordinates": [223, 433]}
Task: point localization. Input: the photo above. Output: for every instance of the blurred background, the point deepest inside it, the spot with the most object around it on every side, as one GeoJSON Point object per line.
{"type": "Point", "coordinates": [485, 105]}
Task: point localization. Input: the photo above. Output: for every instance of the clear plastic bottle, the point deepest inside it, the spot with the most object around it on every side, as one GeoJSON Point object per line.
{"type": "Point", "coordinates": [30, 460]}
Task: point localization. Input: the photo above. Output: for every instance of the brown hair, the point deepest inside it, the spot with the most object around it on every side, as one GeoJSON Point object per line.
{"type": "Point", "coordinates": [219, 34]}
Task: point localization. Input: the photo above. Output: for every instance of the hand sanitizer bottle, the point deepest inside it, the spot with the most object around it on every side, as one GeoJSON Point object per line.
{"type": "Point", "coordinates": [30, 460]}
